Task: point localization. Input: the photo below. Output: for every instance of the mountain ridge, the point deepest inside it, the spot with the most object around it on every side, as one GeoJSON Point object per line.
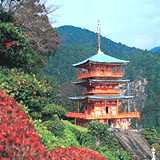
{"type": "Point", "coordinates": [155, 49]}
{"type": "Point", "coordinates": [84, 37]}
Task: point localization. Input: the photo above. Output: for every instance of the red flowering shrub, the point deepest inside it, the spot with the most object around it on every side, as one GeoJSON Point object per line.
{"type": "Point", "coordinates": [18, 139]}
{"type": "Point", "coordinates": [75, 153]}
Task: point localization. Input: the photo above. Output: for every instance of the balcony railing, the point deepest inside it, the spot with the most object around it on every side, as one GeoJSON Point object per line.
{"type": "Point", "coordinates": [87, 74]}
{"type": "Point", "coordinates": [102, 116]}
{"type": "Point", "coordinates": [101, 92]}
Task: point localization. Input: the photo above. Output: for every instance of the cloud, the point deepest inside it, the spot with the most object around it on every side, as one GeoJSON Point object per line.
{"type": "Point", "coordinates": [155, 20]}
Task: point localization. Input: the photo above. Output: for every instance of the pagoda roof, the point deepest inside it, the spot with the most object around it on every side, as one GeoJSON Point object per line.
{"type": "Point", "coordinates": [101, 58]}
{"type": "Point", "coordinates": [100, 97]}
{"type": "Point", "coordinates": [101, 80]}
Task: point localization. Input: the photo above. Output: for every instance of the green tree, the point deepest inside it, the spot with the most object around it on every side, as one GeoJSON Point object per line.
{"type": "Point", "coordinates": [36, 26]}
{"type": "Point", "coordinates": [99, 130]}
{"type": "Point", "coordinates": [14, 48]}
{"type": "Point", "coordinates": [52, 82]}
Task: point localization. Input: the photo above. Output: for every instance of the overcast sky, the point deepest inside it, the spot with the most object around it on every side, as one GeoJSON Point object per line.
{"type": "Point", "coordinates": [135, 23]}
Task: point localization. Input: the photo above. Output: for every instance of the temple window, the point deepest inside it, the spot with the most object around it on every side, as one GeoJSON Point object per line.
{"type": "Point", "coordinates": [114, 112]}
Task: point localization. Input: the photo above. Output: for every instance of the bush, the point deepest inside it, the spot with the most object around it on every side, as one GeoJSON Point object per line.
{"type": "Point", "coordinates": [18, 139]}
{"type": "Point", "coordinates": [26, 89]}
{"type": "Point", "coordinates": [51, 81]}
{"type": "Point", "coordinates": [14, 47]}
{"type": "Point", "coordinates": [150, 134]}
{"type": "Point", "coordinates": [82, 135]}
{"type": "Point", "coordinates": [56, 127]}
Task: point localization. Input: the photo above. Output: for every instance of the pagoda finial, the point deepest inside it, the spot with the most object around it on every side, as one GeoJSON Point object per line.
{"type": "Point", "coordinates": [99, 49]}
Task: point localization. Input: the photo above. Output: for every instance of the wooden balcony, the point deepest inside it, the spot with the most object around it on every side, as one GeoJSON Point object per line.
{"type": "Point", "coordinates": [101, 92]}
{"type": "Point", "coordinates": [103, 116]}
{"type": "Point", "coordinates": [97, 74]}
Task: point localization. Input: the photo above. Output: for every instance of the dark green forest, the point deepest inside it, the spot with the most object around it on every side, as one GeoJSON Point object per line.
{"type": "Point", "coordinates": [78, 44]}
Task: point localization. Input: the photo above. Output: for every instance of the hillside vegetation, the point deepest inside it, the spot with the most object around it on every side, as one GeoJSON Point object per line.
{"type": "Point", "coordinates": [30, 114]}
{"type": "Point", "coordinates": [80, 44]}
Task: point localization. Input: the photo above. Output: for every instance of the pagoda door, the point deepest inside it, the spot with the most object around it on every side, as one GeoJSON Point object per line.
{"type": "Point", "coordinates": [89, 109]}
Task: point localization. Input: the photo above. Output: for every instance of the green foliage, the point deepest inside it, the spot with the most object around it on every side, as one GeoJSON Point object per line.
{"type": "Point", "coordinates": [83, 136]}
{"type": "Point", "coordinates": [15, 51]}
{"type": "Point", "coordinates": [48, 139]}
{"type": "Point", "coordinates": [150, 134]}
{"type": "Point", "coordinates": [133, 123]}
{"type": "Point", "coordinates": [60, 134]}
{"type": "Point", "coordinates": [120, 154]}
{"type": "Point", "coordinates": [54, 109]}
{"type": "Point", "coordinates": [56, 127]}
{"type": "Point", "coordinates": [99, 130]}
{"type": "Point", "coordinates": [12, 46]}
{"type": "Point", "coordinates": [52, 82]}
{"type": "Point", "coordinates": [26, 89]}
{"type": "Point", "coordinates": [146, 64]}
{"type": "Point", "coordinates": [6, 16]}
{"type": "Point", "coordinates": [114, 143]}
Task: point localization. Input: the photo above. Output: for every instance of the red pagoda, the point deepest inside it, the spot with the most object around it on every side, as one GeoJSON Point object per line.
{"type": "Point", "coordinates": [100, 74]}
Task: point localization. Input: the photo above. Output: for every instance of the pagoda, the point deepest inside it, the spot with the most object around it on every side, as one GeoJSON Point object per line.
{"type": "Point", "coordinates": [102, 103]}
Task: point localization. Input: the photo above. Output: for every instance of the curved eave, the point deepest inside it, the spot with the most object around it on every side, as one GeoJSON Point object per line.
{"type": "Point", "coordinates": [101, 81]}
{"type": "Point", "coordinates": [101, 58]}
{"type": "Point", "coordinates": [99, 97]}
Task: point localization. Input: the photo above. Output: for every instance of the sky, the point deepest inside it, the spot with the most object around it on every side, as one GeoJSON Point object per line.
{"type": "Point", "coordinates": [135, 23]}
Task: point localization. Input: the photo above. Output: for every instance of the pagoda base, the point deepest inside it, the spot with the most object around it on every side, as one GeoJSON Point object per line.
{"type": "Point", "coordinates": [115, 123]}
{"type": "Point", "coordinates": [120, 120]}
{"type": "Point", "coordinates": [103, 116]}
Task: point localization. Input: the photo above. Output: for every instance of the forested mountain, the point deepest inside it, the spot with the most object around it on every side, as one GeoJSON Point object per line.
{"type": "Point", "coordinates": [86, 38]}
{"type": "Point", "coordinates": [146, 65]}
{"type": "Point", "coordinates": [155, 49]}
{"type": "Point", "coordinates": [79, 44]}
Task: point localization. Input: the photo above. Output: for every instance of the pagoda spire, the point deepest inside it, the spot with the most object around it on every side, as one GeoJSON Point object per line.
{"type": "Point", "coordinates": [98, 34]}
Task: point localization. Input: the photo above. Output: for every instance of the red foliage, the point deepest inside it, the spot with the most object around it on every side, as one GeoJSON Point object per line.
{"type": "Point", "coordinates": [143, 115]}
{"type": "Point", "coordinates": [18, 139]}
{"type": "Point", "coordinates": [9, 44]}
{"type": "Point", "coordinates": [74, 153]}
